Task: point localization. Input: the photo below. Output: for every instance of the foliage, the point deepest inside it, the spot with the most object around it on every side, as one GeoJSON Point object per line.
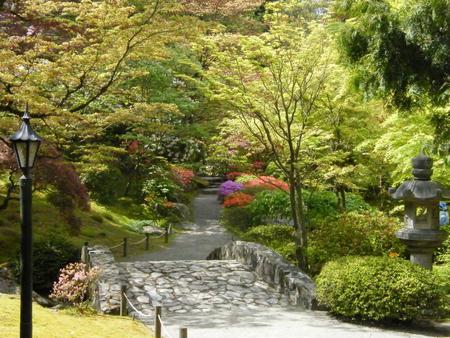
{"type": "Point", "coordinates": [322, 204]}
{"type": "Point", "coordinates": [278, 237]}
{"type": "Point", "coordinates": [245, 178]}
{"type": "Point", "coordinates": [229, 187]}
{"type": "Point", "coordinates": [269, 206]}
{"type": "Point", "coordinates": [443, 252]}
{"type": "Point", "coordinates": [237, 199]}
{"type": "Point", "coordinates": [379, 288]}
{"type": "Point", "coordinates": [405, 137]}
{"type": "Point", "coordinates": [364, 234]}
{"type": "Point", "coordinates": [222, 7]}
{"type": "Point", "coordinates": [49, 256]}
{"type": "Point", "coordinates": [237, 218]}
{"type": "Point", "coordinates": [401, 51]}
{"type": "Point", "coordinates": [73, 283]}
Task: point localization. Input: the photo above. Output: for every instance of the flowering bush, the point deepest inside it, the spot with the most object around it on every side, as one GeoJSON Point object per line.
{"type": "Point", "coordinates": [245, 178]}
{"type": "Point", "coordinates": [268, 182]}
{"type": "Point", "coordinates": [73, 283]}
{"type": "Point", "coordinates": [233, 175]}
{"type": "Point", "coordinates": [183, 175]}
{"type": "Point", "coordinates": [229, 187]}
{"type": "Point", "coordinates": [237, 199]}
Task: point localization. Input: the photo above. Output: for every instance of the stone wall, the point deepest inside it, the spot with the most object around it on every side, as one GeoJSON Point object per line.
{"type": "Point", "coordinates": [107, 292]}
{"type": "Point", "coordinates": [272, 268]}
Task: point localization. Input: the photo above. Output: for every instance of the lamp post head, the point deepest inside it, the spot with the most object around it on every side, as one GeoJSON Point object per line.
{"type": "Point", "coordinates": [26, 144]}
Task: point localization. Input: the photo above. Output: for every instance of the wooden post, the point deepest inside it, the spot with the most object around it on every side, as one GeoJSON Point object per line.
{"type": "Point", "coordinates": [147, 243]}
{"type": "Point", "coordinates": [85, 253]}
{"type": "Point", "coordinates": [166, 235]}
{"type": "Point", "coordinates": [123, 301]}
{"type": "Point", "coordinates": [183, 333]}
{"type": "Point", "coordinates": [125, 246]}
{"type": "Point", "coordinates": [157, 322]}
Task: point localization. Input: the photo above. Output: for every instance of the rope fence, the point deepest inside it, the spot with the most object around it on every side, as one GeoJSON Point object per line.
{"type": "Point", "coordinates": [125, 243]}
{"type": "Point", "coordinates": [160, 330]}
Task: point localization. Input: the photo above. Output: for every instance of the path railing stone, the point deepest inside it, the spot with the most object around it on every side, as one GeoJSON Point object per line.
{"type": "Point", "coordinates": [107, 295]}
{"type": "Point", "coordinates": [271, 268]}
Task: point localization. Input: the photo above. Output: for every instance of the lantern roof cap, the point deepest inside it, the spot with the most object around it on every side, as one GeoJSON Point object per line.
{"type": "Point", "coordinates": [25, 133]}
{"type": "Point", "coordinates": [421, 188]}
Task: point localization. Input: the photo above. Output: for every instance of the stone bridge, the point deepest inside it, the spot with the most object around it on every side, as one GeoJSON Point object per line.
{"type": "Point", "coordinates": [239, 276]}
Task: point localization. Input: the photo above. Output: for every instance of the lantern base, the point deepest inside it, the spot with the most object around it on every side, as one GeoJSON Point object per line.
{"type": "Point", "coordinates": [421, 243]}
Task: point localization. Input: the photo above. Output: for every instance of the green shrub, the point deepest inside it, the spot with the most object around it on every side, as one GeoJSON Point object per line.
{"type": "Point", "coordinates": [237, 218]}
{"type": "Point", "coordinates": [270, 205]}
{"type": "Point", "coordinates": [379, 288]}
{"type": "Point", "coordinates": [443, 253]}
{"type": "Point", "coordinates": [324, 203]}
{"type": "Point", "coordinates": [278, 237]}
{"type": "Point", "coordinates": [367, 233]}
{"type": "Point", "coordinates": [320, 203]}
{"type": "Point", "coordinates": [354, 202]}
{"type": "Point", "coordinates": [49, 256]}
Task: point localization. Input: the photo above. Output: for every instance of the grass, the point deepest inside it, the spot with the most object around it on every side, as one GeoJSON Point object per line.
{"type": "Point", "coordinates": [48, 323]}
{"type": "Point", "coordinates": [101, 225]}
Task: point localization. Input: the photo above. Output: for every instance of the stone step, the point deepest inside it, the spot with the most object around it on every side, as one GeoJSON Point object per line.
{"type": "Point", "coordinates": [209, 190]}
{"type": "Point", "coordinates": [213, 179]}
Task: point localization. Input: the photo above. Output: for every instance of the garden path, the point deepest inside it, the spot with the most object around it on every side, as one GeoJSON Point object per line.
{"type": "Point", "coordinates": [199, 238]}
{"type": "Point", "coordinates": [207, 319]}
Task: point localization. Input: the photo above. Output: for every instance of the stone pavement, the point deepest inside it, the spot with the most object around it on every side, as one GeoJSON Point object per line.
{"type": "Point", "coordinates": [198, 287]}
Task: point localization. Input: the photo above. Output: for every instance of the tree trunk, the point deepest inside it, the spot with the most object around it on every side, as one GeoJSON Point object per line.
{"type": "Point", "coordinates": [298, 217]}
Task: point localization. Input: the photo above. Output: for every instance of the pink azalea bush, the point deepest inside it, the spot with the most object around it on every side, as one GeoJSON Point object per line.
{"type": "Point", "coordinates": [73, 283]}
{"type": "Point", "coordinates": [268, 182]}
{"type": "Point", "coordinates": [183, 175]}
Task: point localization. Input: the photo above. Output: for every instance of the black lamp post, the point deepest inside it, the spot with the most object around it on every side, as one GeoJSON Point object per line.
{"type": "Point", "coordinates": [26, 145]}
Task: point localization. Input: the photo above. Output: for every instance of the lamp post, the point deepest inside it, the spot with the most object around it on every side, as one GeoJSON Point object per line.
{"type": "Point", "coordinates": [26, 145]}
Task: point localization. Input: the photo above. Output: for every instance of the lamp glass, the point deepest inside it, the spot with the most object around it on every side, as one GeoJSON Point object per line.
{"type": "Point", "coordinates": [32, 152]}
{"type": "Point", "coordinates": [21, 153]}
{"type": "Point", "coordinates": [26, 153]}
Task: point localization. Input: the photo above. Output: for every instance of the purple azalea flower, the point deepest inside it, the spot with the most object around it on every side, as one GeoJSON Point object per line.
{"type": "Point", "coordinates": [229, 187]}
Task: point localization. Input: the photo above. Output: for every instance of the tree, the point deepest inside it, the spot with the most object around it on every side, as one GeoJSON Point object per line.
{"type": "Point", "coordinates": [398, 49]}
{"type": "Point", "coordinates": [273, 83]}
{"type": "Point", "coordinates": [71, 62]}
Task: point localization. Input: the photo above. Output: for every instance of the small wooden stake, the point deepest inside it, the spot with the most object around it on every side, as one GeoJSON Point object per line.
{"type": "Point", "coordinates": [123, 301]}
{"type": "Point", "coordinates": [166, 235]}
{"type": "Point", "coordinates": [157, 322]}
{"type": "Point", "coordinates": [183, 333]}
{"type": "Point", "coordinates": [85, 253]}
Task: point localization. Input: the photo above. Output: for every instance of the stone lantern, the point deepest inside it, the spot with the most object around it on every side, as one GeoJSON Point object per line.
{"type": "Point", "coordinates": [421, 196]}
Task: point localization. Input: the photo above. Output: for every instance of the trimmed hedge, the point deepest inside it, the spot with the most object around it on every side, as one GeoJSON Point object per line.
{"type": "Point", "coordinates": [379, 288]}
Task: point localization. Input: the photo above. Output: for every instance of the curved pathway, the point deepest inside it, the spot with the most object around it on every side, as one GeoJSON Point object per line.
{"type": "Point", "coordinates": [221, 307]}
{"type": "Point", "coordinates": [199, 238]}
